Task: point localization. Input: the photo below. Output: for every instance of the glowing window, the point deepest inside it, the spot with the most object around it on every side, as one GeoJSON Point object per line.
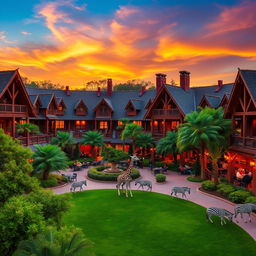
{"type": "Point", "coordinates": [138, 122]}
{"type": "Point", "coordinates": [103, 125]}
{"type": "Point", "coordinates": [80, 124]}
{"type": "Point", "coordinates": [59, 124]}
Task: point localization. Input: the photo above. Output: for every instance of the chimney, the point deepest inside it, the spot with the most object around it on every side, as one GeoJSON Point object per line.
{"type": "Point", "coordinates": [109, 87]}
{"type": "Point", "coordinates": [185, 80]}
{"type": "Point", "coordinates": [68, 92]}
{"type": "Point", "coordinates": [160, 81]}
{"type": "Point", "coordinates": [220, 84]}
{"type": "Point", "coordinates": [143, 90]}
{"type": "Point", "coordinates": [98, 93]}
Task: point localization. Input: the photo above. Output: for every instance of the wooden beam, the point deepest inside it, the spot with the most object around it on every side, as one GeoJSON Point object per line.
{"type": "Point", "coordinates": [16, 93]}
{"type": "Point", "coordinates": [248, 105]}
{"type": "Point", "coordinates": [242, 104]}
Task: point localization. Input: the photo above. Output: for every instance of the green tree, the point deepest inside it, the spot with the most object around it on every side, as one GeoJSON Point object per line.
{"type": "Point", "coordinates": [48, 158]}
{"type": "Point", "coordinates": [19, 220]}
{"type": "Point", "coordinates": [54, 242]}
{"type": "Point", "coordinates": [201, 129]}
{"type": "Point", "coordinates": [132, 85]}
{"type": "Point", "coordinates": [12, 152]}
{"type": "Point", "coordinates": [93, 138]}
{"type": "Point", "coordinates": [114, 156]}
{"type": "Point", "coordinates": [145, 141]}
{"type": "Point", "coordinates": [64, 140]}
{"type": "Point", "coordinates": [124, 121]}
{"type": "Point", "coordinates": [27, 128]}
{"type": "Point", "coordinates": [168, 145]}
{"type": "Point", "coordinates": [131, 131]}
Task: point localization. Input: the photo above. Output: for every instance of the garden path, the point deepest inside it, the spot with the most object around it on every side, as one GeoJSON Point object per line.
{"type": "Point", "coordinates": [173, 179]}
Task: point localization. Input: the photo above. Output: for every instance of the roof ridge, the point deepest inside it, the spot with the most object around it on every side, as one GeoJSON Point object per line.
{"type": "Point", "coordinates": [10, 70]}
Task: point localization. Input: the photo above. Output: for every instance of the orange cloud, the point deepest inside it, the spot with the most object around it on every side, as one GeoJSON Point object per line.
{"type": "Point", "coordinates": [133, 43]}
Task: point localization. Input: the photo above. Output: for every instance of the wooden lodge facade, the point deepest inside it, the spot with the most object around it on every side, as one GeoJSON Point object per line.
{"type": "Point", "coordinates": [157, 111]}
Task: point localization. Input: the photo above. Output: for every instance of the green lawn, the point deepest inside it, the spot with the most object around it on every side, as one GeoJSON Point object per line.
{"type": "Point", "coordinates": [152, 224]}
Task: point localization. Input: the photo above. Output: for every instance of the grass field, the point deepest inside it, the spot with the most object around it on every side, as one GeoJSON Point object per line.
{"type": "Point", "coordinates": [152, 224]}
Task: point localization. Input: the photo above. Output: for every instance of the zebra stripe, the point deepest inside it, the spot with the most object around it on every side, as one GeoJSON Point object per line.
{"type": "Point", "coordinates": [220, 212]}
{"type": "Point", "coordinates": [244, 208]}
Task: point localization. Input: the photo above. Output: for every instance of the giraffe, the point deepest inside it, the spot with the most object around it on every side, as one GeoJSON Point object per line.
{"type": "Point", "coordinates": [125, 178]}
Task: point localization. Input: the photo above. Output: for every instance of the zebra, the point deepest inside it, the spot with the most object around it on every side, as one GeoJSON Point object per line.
{"type": "Point", "coordinates": [146, 183]}
{"type": "Point", "coordinates": [181, 190]}
{"type": "Point", "coordinates": [244, 208]}
{"type": "Point", "coordinates": [78, 184]}
{"type": "Point", "coordinates": [222, 213]}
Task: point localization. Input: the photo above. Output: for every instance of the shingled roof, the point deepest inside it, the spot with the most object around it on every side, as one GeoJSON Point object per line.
{"type": "Point", "coordinates": [46, 99]}
{"type": "Point", "coordinates": [214, 101]}
{"type": "Point", "coordinates": [5, 78]}
{"type": "Point", "coordinates": [249, 77]}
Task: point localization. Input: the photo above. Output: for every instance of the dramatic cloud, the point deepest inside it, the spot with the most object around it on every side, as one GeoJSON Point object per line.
{"type": "Point", "coordinates": [134, 42]}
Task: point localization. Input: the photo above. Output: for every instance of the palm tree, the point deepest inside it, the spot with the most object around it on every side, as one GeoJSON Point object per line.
{"type": "Point", "coordinates": [144, 140]}
{"type": "Point", "coordinates": [168, 145]}
{"type": "Point", "coordinates": [63, 140]}
{"type": "Point", "coordinates": [53, 243]}
{"type": "Point", "coordinates": [93, 138]}
{"type": "Point", "coordinates": [48, 158]}
{"type": "Point", "coordinates": [131, 131]}
{"type": "Point", "coordinates": [27, 128]}
{"type": "Point", "coordinates": [201, 129]}
{"type": "Point", "coordinates": [124, 121]}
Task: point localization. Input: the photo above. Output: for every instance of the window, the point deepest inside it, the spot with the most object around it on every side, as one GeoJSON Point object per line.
{"type": "Point", "coordinates": [174, 124]}
{"type": "Point", "coordinates": [138, 122]}
{"type": "Point", "coordinates": [80, 124]}
{"type": "Point", "coordinates": [60, 107]}
{"type": "Point", "coordinates": [22, 121]}
{"type": "Point", "coordinates": [119, 123]}
{"type": "Point", "coordinates": [103, 125]}
{"type": "Point", "coordinates": [59, 124]}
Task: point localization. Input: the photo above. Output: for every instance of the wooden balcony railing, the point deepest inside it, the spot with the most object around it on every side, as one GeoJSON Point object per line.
{"type": "Point", "coordinates": [81, 113]}
{"type": "Point", "coordinates": [59, 112]}
{"type": "Point", "coordinates": [13, 108]}
{"type": "Point", "coordinates": [167, 113]}
{"type": "Point", "coordinates": [249, 142]}
{"type": "Point", "coordinates": [51, 112]}
{"type": "Point", "coordinates": [35, 139]}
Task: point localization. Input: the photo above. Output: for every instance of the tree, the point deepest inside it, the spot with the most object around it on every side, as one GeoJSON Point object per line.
{"type": "Point", "coordinates": [131, 131]}
{"type": "Point", "coordinates": [13, 156]}
{"type": "Point", "coordinates": [144, 140]}
{"type": "Point", "coordinates": [48, 158]}
{"type": "Point", "coordinates": [124, 121]}
{"type": "Point", "coordinates": [93, 138]}
{"type": "Point", "coordinates": [114, 156]}
{"type": "Point", "coordinates": [27, 128]}
{"type": "Point", "coordinates": [94, 84]}
{"type": "Point", "coordinates": [135, 84]}
{"type": "Point", "coordinates": [168, 145]}
{"type": "Point", "coordinates": [64, 140]}
{"type": "Point", "coordinates": [54, 242]}
{"type": "Point", "coordinates": [201, 129]}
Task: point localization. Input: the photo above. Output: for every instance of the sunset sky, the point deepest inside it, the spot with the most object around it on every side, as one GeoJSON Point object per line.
{"type": "Point", "coordinates": [75, 41]}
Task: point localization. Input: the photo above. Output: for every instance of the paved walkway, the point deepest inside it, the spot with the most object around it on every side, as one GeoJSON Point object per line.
{"type": "Point", "coordinates": [173, 179]}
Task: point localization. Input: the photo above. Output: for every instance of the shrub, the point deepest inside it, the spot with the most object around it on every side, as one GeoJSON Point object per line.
{"type": "Point", "coordinates": [224, 180]}
{"type": "Point", "coordinates": [196, 168]}
{"type": "Point", "coordinates": [160, 178]}
{"type": "Point", "coordinates": [225, 189]}
{"type": "Point", "coordinates": [239, 196]}
{"type": "Point", "coordinates": [194, 179]}
{"type": "Point", "coordinates": [159, 164]}
{"type": "Point", "coordinates": [173, 167]}
{"type": "Point", "coordinates": [93, 173]}
{"type": "Point", "coordinates": [51, 182]}
{"type": "Point", "coordinates": [208, 185]}
{"type": "Point", "coordinates": [251, 199]}
{"type": "Point", "coordinates": [146, 162]}
{"type": "Point", "coordinates": [101, 168]}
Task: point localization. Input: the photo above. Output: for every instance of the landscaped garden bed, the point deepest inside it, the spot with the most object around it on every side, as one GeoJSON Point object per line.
{"type": "Point", "coordinates": [54, 180]}
{"type": "Point", "coordinates": [228, 192]}
{"type": "Point", "coordinates": [97, 173]}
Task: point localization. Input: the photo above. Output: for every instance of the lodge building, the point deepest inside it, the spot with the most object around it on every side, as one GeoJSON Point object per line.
{"type": "Point", "coordinates": [156, 110]}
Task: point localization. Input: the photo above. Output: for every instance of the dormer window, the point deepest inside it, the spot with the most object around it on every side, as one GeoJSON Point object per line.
{"type": "Point", "coordinates": [81, 108]}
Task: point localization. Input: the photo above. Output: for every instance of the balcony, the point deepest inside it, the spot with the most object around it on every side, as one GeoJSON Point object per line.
{"type": "Point", "coordinates": [35, 139]}
{"type": "Point", "coordinates": [166, 113]}
{"type": "Point", "coordinates": [59, 112]}
{"type": "Point", "coordinates": [9, 108]}
{"type": "Point", "coordinates": [243, 142]}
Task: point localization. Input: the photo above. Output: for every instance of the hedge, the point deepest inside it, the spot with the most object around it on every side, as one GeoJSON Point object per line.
{"type": "Point", "coordinates": [93, 173]}
{"type": "Point", "coordinates": [239, 196]}
{"type": "Point", "coordinates": [160, 178]}
{"type": "Point", "coordinates": [208, 185]}
{"type": "Point", "coordinates": [194, 179]}
{"type": "Point", "coordinates": [225, 189]}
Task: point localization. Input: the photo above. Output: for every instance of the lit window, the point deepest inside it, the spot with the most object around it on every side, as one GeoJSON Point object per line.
{"type": "Point", "coordinates": [60, 107]}
{"type": "Point", "coordinates": [80, 124]}
{"type": "Point", "coordinates": [138, 122]}
{"type": "Point", "coordinates": [155, 123]}
{"type": "Point", "coordinates": [59, 124]}
{"type": "Point", "coordinates": [22, 121]}
{"type": "Point", "coordinates": [103, 125]}
{"type": "Point", "coordinates": [174, 124]}
{"type": "Point", "coordinates": [119, 123]}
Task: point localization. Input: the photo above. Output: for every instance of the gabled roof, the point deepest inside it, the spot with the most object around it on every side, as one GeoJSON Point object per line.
{"type": "Point", "coordinates": [34, 99]}
{"type": "Point", "coordinates": [46, 99]}
{"type": "Point", "coordinates": [59, 100]}
{"type": "Point", "coordinates": [107, 101]}
{"type": "Point", "coordinates": [136, 103]}
{"type": "Point", "coordinates": [5, 78]}
{"type": "Point", "coordinates": [249, 77]}
{"type": "Point", "coordinates": [80, 102]}
{"type": "Point", "coordinates": [148, 103]}
{"type": "Point", "coordinates": [214, 101]}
